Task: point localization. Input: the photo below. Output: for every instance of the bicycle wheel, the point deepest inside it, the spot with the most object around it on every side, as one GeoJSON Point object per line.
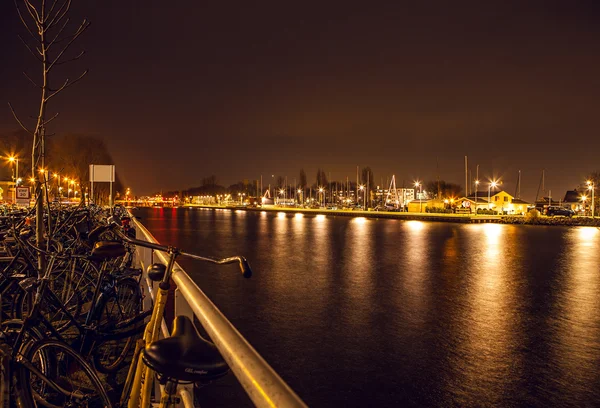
{"type": "Point", "coordinates": [66, 295]}
{"type": "Point", "coordinates": [63, 378]}
{"type": "Point", "coordinates": [125, 303]}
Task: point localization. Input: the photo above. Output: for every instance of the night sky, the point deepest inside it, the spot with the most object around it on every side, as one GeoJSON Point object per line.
{"type": "Point", "coordinates": [183, 90]}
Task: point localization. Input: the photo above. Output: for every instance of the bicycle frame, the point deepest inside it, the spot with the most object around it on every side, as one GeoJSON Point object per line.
{"type": "Point", "coordinates": [138, 385]}
{"type": "Point", "coordinates": [139, 375]}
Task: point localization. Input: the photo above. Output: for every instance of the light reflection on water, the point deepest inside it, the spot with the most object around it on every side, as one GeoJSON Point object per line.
{"type": "Point", "coordinates": [435, 314]}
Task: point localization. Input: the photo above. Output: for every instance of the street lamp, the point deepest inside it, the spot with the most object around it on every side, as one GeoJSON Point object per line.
{"type": "Point", "coordinates": [476, 187]}
{"type": "Point", "coordinates": [420, 186]}
{"type": "Point", "coordinates": [583, 200]}
{"type": "Point", "coordinates": [591, 187]}
{"type": "Point", "coordinates": [492, 184]}
{"type": "Point", "coordinates": [362, 188]}
{"type": "Point", "coordinates": [14, 159]}
{"type": "Point", "coordinates": [321, 191]}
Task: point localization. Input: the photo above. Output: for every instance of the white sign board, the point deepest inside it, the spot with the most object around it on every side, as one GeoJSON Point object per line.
{"type": "Point", "coordinates": [23, 196]}
{"type": "Point", "coordinates": [102, 173]}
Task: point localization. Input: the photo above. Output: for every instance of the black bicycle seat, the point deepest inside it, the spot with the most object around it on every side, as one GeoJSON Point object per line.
{"type": "Point", "coordinates": [104, 250]}
{"type": "Point", "coordinates": [185, 356]}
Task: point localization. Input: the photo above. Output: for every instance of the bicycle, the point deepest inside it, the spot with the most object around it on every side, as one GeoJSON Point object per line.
{"type": "Point", "coordinates": [184, 356]}
{"type": "Point", "coordinates": [39, 371]}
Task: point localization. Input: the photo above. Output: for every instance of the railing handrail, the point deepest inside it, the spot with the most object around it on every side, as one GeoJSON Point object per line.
{"type": "Point", "coordinates": [262, 384]}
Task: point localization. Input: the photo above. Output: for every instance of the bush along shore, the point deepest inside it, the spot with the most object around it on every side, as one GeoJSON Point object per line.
{"type": "Point", "coordinates": [561, 221]}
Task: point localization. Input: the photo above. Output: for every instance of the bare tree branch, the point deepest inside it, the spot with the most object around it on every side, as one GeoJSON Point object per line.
{"type": "Point", "coordinates": [24, 23]}
{"type": "Point", "coordinates": [50, 120]}
{"type": "Point", "coordinates": [84, 25]}
{"type": "Point", "coordinates": [31, 80]}
{"type": "Point", "coordinates": [61, 12]}
{"type": "Point", "coordinates": [19, 120]}
{"type": "Point", "coordinates": [36, 56]}
{"type": "Point", "coordinates": [51, 9]}
{"type": "Point", "coordinates": [66, 85]}
{"type": "Point", "coordinates": [72, 59]}
{"type": "Point", "coordinates": [33, 12]}
{"type": "Point", "coordinates": [57, 34]}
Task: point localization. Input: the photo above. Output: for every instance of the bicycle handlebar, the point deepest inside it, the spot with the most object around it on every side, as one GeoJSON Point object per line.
{"type": "Point", "coordinates": [242, 261]}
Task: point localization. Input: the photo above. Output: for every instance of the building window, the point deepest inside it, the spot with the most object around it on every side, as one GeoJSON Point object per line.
{"type": "Point", "coordinates": [505, 198]}
{"type": "Point", "coordinates": [496, 198]}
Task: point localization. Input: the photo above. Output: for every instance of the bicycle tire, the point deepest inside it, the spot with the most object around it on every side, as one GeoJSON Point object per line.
{"type": "Point", "coordinates": [59, 320]}
{"type": "Point", "coordinates": [58, 363]}
{"type": "Point", "coordinates": [110, 355]}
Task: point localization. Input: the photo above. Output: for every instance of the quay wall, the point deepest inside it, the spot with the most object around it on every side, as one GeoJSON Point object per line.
{"type": "Point", "coordinates": [458, 218]}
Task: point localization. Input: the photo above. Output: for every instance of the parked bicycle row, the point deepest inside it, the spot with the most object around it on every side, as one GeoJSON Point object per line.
{"type": "Point", "coordinates": [73, 321]}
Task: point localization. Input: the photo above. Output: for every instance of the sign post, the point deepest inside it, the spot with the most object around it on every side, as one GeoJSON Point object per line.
{"type": "Point", "coordinates": [104, 173]}
{"type": "Point", "coordinates": [23, 196]}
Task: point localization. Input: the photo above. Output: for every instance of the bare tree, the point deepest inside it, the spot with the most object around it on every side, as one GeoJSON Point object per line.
{"type": "Point", "coordinates": [49, 40]}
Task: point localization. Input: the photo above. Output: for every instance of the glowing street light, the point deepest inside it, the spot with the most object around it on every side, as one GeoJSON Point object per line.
{"type": "Point", "coordinates": [420, 186]}
{"type": "Point", "coordinates": [14, 159]}
{"type": "Point", "coordinates": [492, 184]}
{"type": "Point", "coordinates": [362, 188]}
{"type": "Point", "coordinates": [591, 187]}
{"type": "Point", "coordinates": [583, 199]}
{"type": "Point", "coordinates": [321, 191]}
{"type": "Point", "coordinates": [476, 187]}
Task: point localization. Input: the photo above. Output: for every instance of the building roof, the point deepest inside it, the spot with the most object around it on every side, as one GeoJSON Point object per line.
{"type": "Point", "coordinates": [480, 200]}
{"type": "Point", "coordinates": [519, 201]}
{"type": "Point", "coordinates": [572, 196]}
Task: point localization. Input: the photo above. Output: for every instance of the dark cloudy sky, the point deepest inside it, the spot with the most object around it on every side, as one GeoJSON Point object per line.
{"type": "Point", "coordinates": [182, 90]}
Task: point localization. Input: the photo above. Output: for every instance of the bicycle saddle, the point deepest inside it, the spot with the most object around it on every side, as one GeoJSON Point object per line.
{"type": "Point", "coordinates": [185, 356]}
{"type": "Point", "coordinates": [104, 250]}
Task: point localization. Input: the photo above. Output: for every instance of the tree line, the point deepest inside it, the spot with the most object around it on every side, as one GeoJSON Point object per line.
{"type": "Point", "coordinates": [67, 155]}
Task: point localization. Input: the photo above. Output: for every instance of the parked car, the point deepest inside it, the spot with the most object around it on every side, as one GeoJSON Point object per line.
{"type": "Point", "coordinates": [557, 210]}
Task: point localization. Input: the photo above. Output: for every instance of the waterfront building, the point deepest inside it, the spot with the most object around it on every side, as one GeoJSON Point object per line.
{"type": "Point", "coordinates": [418, 205]}
{"type": "Point", "coordinates": [499, 201]}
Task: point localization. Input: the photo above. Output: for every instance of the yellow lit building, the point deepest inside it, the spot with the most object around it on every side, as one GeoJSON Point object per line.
{"type": "Point", "coordinates": [499, 201]}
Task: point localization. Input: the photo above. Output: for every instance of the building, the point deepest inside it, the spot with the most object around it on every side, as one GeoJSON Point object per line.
{"type": "Point", "coordinates": [417, 205]}
{"type": "Point", "coordinates": [499, 201]}
{"type": "Point", "coordinates": [7, 192]}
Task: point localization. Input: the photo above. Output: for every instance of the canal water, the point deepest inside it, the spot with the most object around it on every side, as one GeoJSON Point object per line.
{"type": "Point", "coordinates": [356, 312]}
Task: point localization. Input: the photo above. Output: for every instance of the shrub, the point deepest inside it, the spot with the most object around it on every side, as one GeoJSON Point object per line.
{"type": "Point", "coordinates": [532, 216]}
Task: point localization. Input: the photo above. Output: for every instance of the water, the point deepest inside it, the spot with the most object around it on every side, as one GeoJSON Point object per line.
{"type": "Point", "coordinates": [364, 312]}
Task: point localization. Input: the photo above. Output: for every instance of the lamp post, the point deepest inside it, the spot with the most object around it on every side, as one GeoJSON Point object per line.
{"type": "Point", "coordinates": [492, 184]}
{"type": "Point", "coordinates": [583, 200]}
{"type": "Point", "coordinates": [300, 196]}
{"type": "Point", "coordinates": [362, 188]}
{"type": "Point", "coordinates": [591, 187]}
{"type": "Point", "coordinates": [420, 185]}
{"type": "Point", "coordinates": [476, 187]}
{"type": "Point", "coordinates": [14, 159]}
{"type": "Point", "coordinates": [321, 192]}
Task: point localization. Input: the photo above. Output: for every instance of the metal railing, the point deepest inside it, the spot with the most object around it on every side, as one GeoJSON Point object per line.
{"type": "Point", "coordinates": [262, 384]}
